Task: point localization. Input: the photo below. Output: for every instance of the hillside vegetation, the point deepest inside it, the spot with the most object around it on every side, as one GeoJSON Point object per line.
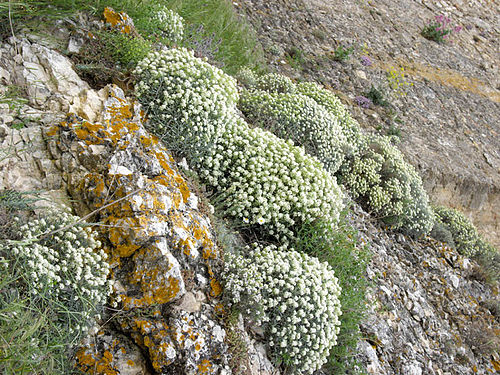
{"type": "Point", "coordinates": [280, 163]}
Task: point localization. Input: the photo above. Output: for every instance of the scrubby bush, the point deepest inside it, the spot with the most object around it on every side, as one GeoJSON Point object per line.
{"type": "Point", "coordinates": [260, 179]}
{"type": "Point", "coordinates": [246, 77]}
{"type": "Point", "coordinates": [188, 100]}
{"type": "Point", "coordinates": [61, 259]}
{"type": "Point", "coordinates": [53, 283]}
{"type": "Point", "coordinates": [386, 184]}
{"type": "Point", "coordinates": [275, 83]}
{"type": "Point", "coordinates": [297, 117]}
{"type": "Point", "coordinates": [340, 248]}
{"type": "Point", "coordinates": [465, 236]}
{"type": "Point", "coordinates": [268, 183]}
{"type": "Point", "coordinates": [296, 298]}
{"type": "Point", "coordinates": [169, 23]}
{"type": "Point", "coordinates": [332, 103]}
{"type": "Point", "coordinates": [125, 49]}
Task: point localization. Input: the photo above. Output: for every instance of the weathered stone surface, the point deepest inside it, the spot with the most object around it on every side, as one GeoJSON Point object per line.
{"type": "Point", "coordinates": [450, 114]}
{"type": "Point", "coordinates": [426, 312]}
{"type": "Point", "coordinates": [110, 354]}
{"type": "Point", "coordinates": [156, 237]}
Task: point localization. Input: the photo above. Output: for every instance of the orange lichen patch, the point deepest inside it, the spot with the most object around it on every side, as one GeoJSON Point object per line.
{"type": "Point", "coordinates": [215, 288]}
{"type": "Point", "coordinates": [154, 335]}
{"type": "Point", "coordinates": [496, 364]}
{"type": "Point", "coordinates": [118, 20]}
{"type": "Point", "coordinates": [94, 186]}
{"type": "Point", "coordinates": [204, 367]}
{"type": "Point", "coordinates": [54, 130]}
{"type": "Point", "coordinates": [152, 273]}
{"type": "Point", "coordinates": [89, 361]}
{"type": "Point", "coordinates": [120, 235]}
{"type": "Point", "coordinates": [219, 309]}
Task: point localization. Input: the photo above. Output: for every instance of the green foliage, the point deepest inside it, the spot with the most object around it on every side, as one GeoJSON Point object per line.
{"type": "Point", "coordinates": [439, 29]}
{"type": "Point", "coordinates": [465, 237]}
{"type": "Point", "coordinates": [377, 96]}
{"type": "Point", "coordinates": [125, 49]}
{"type": "Point", "coordinates": [295, 58]}
{"type": "Point", "coordinates": [238, 46]}
{"type": "Point", "coordinates": [340, 248]}
{"type": "Point", "coordinates": [342, 54]}
{"type": "Point", "coordinates": [161, 24]}
{"type": "Point", "coordinates": [12, 200]}
{"type": "Point", "coordinates": [295, 296]}
{"type": "Point", "coordinates": [216, 19]}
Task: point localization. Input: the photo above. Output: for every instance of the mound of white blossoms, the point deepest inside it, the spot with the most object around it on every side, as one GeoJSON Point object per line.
{"type": "Point", "coordinates": [294, 296]}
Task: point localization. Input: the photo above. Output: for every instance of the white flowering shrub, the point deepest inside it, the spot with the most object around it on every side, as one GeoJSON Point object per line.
{"type": "Point", "coordinates": [300, 118]}
{"type": "Point", "coordinates": [62, 261]}
{"type": "Point", "coordinates": [269, 183]}
{"type": "Point", "coordinates": [170, 24]}
{"type": "Point", "coordinates": [188, 100]}
{"type": "Point", "coordinates": [332, 103]}
{"type": "Point", "coordinates": [390, 187]}
{"type": "Point", "coordinates": [275, 83]}
{"type": "Point", "coordinates": [246, 77]}
{"type": "Point", "coordinates": [296, 298]}
{"type": "Point", "coordinates": [464, 234]}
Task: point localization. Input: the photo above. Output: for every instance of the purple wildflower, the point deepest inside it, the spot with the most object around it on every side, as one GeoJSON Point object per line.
{"type": "Point", "coordinates": [365, 61]}
{"type": "Point", "coordinates": [363, 101]}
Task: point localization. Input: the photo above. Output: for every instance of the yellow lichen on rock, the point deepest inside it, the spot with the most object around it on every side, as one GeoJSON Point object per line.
{"type": "Point", "coordinates": [119, 21]}
{"type": "Point", "coordinates": [151, 228]}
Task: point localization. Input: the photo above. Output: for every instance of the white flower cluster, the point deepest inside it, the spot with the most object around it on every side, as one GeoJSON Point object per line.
{"type": "Point", "coordinates": [65, 265]}
{"type": "Point", "coordinates": [188, 100]}
{"type": "Point", "coordinates": [301, 119]}
{"type": "Point", "coordinates": [298, 300]}
{"type": "Point", "coordinates": [465, 235]}
{"type": "Point", "coordinates": [246, 77]}
{"type": "Point", "coordinates": [169, 23]}
{"type": "Point", "coordinates": [389, 186]}
{"type": "Point", "coordinates": [262, 180]}
{"type": "Point", "coordinates": [266, 181]}
{"type": "Point", "coordinates": [332, 103]}
{"type": "Point", "coordinates": [275, 83]}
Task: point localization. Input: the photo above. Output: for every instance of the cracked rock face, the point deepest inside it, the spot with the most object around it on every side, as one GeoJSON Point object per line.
{"type": "Point", "coordinates": [427, 314]}
{"type": "Point", "coordinates": [154, 235]}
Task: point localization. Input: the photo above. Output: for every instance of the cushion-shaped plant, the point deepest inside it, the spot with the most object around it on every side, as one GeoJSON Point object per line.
{"type": "Point", "coordinates": [294, 296]}
{"type": "Point", "coordinates": [300, 118]}
{"type": "Point", "coordinates": [269, 183]}
{"type": "Point", "coordinates": [464, 234]}
{"type": "Point", "coordinates": [275, 83]}
{"type": "Point", "coordinates": [169, 23]}
{"type": "Point", "coordinates": [332, 103]}
{"type": "Point", "coordinates": [62, 259]}
{"type": "Point", "coordinates": [386, 184]}
{"type": "Point", "coordinates": [188, 100]}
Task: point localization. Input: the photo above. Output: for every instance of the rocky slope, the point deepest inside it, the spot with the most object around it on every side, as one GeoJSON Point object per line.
{"type": "Point", "coordinates": [429, 313]}
{"type": "Point", "coordinates": [450, 114]}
